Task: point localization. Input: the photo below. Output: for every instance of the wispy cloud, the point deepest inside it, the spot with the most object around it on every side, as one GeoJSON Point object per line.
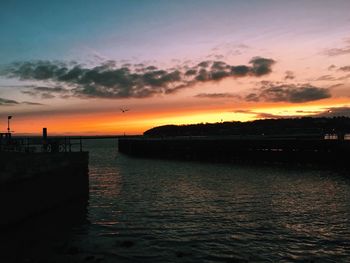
{"type": "Point", "coordinates": [217, 95]}
{"type": "Point", "coordinates": [289, 75]}
{"type": "Point", "coordinates": [8, 102]}
{"type": "Point", "coordinates": [227, 49]}
{"type": "Point", "coordinates": [335, 112]}
{"type": "Point", "coordinates": [345, 68]}
{"type": "Point", "coordinates": [326, 112]}
{"type": "Point", "coordinates": [331, 67]}
{"type": "Point", "coordinates": [325, 78]}
{"type": "Point", "coordinates": [264, 115]}
{"type": "Point", "coordinates": [344, 77]}
{"type": "Point", "coordinates": [46, 92]}
{"type": "Point", "coordinates": [31, 103]}
{"type": "Point", "coordinates": [338, 51]}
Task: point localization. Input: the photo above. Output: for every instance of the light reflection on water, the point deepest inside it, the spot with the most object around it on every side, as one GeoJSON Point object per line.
{"type": "Point", "coordinates": [164, 211]}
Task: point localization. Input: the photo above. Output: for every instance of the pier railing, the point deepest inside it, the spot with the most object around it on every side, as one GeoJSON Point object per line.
{"type": "Point", "coordinates": [37, 144]}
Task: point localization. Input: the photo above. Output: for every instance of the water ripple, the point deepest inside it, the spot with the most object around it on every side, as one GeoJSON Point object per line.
{"type": "Point", "coordinates": [143, 210]}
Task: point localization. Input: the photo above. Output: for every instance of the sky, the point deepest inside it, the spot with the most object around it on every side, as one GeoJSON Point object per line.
{"type": "Point", "coordinates": [71, 65]}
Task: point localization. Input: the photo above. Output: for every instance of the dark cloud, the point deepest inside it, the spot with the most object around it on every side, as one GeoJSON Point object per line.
{"type": "Point", "coordinates": [261, 66]}
{"type": "Point", "coordinates": [288, 93]}
{"type": "Point", "coordinates": [17, 86]}
{"type": "Point", "coordinates": [51, 89]}
{"type": "Point", "coordinates": [191, 72]}
{"type": "Point", "coordinates": [217, 95]}
{"type": "Point", "coordinates": [240, 71]}
{"type": "Point", "coordinates": [219, 65]}
{"type": "Point", "coordinates": [203, 75]}
{"type": "Point", "coordinates": [289, 75]}
{"type": "Point", "coordinates": [7, 102]}
{"type": "Point", "coordinates": [219, 74]}
{"type": "Point", "coordinates": [204, 64]}
{"type": "Point", "coordinates": [345, 68]}
{"type": "Point", "coordinates": [151, 68]}
{"type": "Point", "coordinates": [137, 81]}
{"type": "Point", "coordinates": [219, 70]}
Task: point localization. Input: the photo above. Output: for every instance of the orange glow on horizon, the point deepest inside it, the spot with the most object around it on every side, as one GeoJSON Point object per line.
{"type": "Point", "coordinates": [136, 122]}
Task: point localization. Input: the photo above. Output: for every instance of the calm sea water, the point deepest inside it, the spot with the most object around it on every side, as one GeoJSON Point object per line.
{"type": "Point", "coordinates": [143, 210]}
{"type": "Point", "coordinates": [162, 211]}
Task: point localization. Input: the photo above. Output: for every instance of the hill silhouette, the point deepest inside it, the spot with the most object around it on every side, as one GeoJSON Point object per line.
{"type": "Point", "coordinates": [306, 126]}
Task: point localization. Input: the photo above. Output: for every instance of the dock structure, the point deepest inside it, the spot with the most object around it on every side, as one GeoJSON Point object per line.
{"type": "Point", "coordinates": [240, 149]}
{"type": "Point", "coordinates": [39, 174]}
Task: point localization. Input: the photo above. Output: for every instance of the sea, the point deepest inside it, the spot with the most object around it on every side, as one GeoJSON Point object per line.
{"type": "Point", "coordinates": [150, 210]}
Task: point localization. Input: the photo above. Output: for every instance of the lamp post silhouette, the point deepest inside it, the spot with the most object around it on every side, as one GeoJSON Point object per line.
{"type": "Point", "coordinates": [8, 123]}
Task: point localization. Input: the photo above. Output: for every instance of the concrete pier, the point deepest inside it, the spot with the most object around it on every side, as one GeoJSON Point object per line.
{"type": "Point", "coordinates": [233, 149]}
{"type": "Point", "coordinates": [31, 183]}
{"type": "Point", "coordinates": [38, 174]}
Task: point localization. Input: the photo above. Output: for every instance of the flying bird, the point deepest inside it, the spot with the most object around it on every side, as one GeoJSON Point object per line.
{"type": "Point", "coordinates": [124, 110]}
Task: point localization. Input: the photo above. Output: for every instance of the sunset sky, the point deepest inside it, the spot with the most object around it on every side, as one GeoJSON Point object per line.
{"type": "Point", "coordinates": [71, 65]}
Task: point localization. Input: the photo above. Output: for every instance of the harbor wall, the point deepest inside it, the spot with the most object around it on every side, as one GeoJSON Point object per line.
{"type": "Point", "coordinates": [32, 183]}
{"type": "Point", "coordinates": [226, 149]}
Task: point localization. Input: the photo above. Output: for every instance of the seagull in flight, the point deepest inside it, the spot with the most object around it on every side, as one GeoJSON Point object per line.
{"type": "Point", "coordinates": [124, 110]}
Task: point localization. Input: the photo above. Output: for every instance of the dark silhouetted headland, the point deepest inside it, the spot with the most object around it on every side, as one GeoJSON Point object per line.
{"type": "Point", "coordinates": [285, 127]}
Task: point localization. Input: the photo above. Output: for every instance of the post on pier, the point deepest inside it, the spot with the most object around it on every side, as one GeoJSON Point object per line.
{"type": "Point", "coordinates": [81, 144]}
{"type": "Point", "coordinates": [45, 139]}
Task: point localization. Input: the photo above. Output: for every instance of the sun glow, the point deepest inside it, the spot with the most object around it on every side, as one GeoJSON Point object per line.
{"type": "Point", "coordinates": [138, 121]}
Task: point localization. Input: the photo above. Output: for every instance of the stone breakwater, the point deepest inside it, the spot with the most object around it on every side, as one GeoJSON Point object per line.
{"type": "Point", "coordinates": [229, 149]}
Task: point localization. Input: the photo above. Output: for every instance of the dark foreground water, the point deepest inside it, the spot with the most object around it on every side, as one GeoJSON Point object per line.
{"type": "Point", "coordinates": [143, 210]}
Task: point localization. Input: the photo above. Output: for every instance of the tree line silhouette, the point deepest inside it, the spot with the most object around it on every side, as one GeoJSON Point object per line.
{"type": "Point", "coordinates": [307, 126]}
